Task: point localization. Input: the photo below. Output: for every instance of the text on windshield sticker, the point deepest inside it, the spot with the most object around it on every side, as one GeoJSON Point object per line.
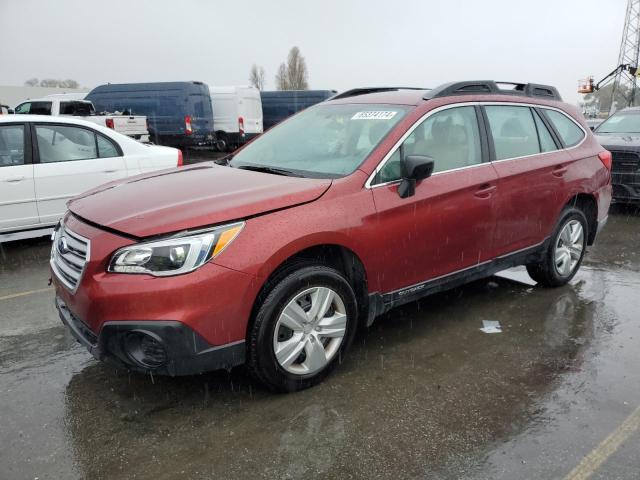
{"type": "Point", "coordinates": [374, 115]}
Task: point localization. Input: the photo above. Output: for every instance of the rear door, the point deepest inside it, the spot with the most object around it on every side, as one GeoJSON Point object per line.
{"type": "Point", "coordinates": [70, 160]}
{"type": "Point", "coordinates": [448, 225]}
{"type": "Point", "coordinates": [250, 110]}
{"type": "Point", "coordinates": [531, 168]}
{"type": "Point", "coordinates": [17, 192]}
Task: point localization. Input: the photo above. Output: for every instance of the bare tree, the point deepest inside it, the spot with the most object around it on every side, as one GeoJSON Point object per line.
{"type": "Point", "coordinates": [69, 83]}
{"type": "Point", "coordinates": [32, 82]}
{"type": "Point", "coordinates": [282, 81]}
{"type": "Point", "coordinates": [297, 70]}
{"type": "Point", "coordinates": [49, 82]}
{"type": "Point", "coordinates": [293, 75]}
{"type": "Point", "coordinates": [256, 77]}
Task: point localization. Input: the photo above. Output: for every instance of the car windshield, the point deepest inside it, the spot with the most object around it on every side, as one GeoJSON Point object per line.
{"type": "Point", "coordinates": [325, 141]}
{"type": "Point", "coordinates": [622, 122]}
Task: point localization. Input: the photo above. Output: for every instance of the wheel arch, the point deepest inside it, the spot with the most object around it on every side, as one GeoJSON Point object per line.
{"type": "Point", "coordinates": [336, 255]}
{"type": "Point", "coordinates": [588, 204]}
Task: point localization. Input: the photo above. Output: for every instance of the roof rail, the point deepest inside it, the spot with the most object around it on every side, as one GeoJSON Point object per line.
{"type": "Point", "coordinates": [476, 87]}
{"type": "Point", "coordinates": [354, 92]}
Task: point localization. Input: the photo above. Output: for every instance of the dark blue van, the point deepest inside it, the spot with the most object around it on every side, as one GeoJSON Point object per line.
{"type": "Point", "coordinates": [278, 105]}
{"type": "Point", "coordinates": [179, 113]}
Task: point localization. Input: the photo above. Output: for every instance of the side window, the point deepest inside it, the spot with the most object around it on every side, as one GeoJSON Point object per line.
{"type": "Point", "coordinates": [106, 148]}
{"type": "Point", "coordinates": [23, 108]}
{"type": "Point", "coordinates": [547, 144]}
{"type": "Point", "coordinates": [57, 143]}
{"type": "Point", "coordinates": [40, 108]}
{"type": "Point", "coordinates": [11, 145]}
{"type": "Point", "coordinates": [513, 130]}
{"type": "Point", "coordinates": [451, 137]}
{"type": "Point", "coordinates": [570, 133]}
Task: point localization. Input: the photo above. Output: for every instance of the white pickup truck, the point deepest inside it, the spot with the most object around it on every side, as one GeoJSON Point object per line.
{"type": "Point", "coordinates": [73, 104]}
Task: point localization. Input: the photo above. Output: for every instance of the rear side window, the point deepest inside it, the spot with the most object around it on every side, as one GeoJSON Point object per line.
{"type": "Point", "coordinates": [76, 108]}
{"type": "Point", "coordinates": [570, 133]}
{"type": "Point", "coordinates": [57, 143]}
{"type": "Point", "coordinates": [513, 130]}
{"type": "Point", "coordinates": [547, 144]}
{"type": "Point", "coordinates": [11, 145]}
{"type": "Point", "coordinates": [106, 148]}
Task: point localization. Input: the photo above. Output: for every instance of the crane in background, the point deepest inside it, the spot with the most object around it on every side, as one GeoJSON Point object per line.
{"type": "Point", "coordinates": [625, 75]}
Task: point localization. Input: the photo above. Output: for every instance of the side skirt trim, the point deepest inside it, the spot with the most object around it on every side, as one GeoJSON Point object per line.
{"type": "Point", "coordinates": [382, 303]}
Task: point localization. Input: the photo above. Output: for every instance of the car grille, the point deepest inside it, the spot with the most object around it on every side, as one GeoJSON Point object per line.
{"type": "Point", "coordinates": [625, 162]}
{"type": "Point", "coordinates": [69, 256]}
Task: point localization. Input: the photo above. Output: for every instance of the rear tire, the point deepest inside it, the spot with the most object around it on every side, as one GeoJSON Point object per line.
{"type": "Point", "coordinates": [563, 256]}
{"type": "Point", "coordinates": [222, 142]}
{"type": "Point", "coordinates": [302, 329]}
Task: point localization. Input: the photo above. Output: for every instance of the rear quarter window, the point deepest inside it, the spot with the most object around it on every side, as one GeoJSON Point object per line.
{"type": "Point", "coordinates": [570, 133]}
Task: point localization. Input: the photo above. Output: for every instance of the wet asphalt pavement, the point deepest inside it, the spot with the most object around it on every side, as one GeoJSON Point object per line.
{"type": "Point", "coordinates": [423, 394]}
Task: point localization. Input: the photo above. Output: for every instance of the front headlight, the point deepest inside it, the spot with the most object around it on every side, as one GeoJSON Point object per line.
{"type": "Point", "coordinates": [174, 255]}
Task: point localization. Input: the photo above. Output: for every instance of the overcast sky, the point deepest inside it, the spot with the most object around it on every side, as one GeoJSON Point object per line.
{"type": "Point", "coordinates": [346, 43]}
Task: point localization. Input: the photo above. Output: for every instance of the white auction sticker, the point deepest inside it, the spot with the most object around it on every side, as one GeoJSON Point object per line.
{"type": "Point", "coordinates": [374, 115]}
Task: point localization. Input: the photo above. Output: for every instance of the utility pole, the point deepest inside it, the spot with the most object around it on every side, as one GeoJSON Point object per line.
{"type": "Point", "coordinates": [624, 85]}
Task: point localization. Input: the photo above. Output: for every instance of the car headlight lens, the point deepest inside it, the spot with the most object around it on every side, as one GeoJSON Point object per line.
{"type": "Point", "coordinates": [174, 255]}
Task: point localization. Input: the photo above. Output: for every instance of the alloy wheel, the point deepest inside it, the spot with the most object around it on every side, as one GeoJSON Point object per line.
{"type": "Point", "coordinates": [569, 247]}
{"type": "Point", "coordinates": [310, 330]}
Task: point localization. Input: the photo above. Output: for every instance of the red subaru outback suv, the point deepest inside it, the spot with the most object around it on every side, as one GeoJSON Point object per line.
{"type": "Point", "coordinates": [374, 198]}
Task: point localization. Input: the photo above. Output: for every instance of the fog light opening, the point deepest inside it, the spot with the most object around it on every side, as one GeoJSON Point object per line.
{"type": "Point", "coordinates": [145, 349]}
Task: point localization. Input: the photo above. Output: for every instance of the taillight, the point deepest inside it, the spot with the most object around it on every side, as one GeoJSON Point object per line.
{"type": "Point", "coordinates": [109, 123]}
{"type": "Point", "coordinates": [180, 161]}
{"type": "Point", "coordinates": [188, 129]}
{"type": "Point", "coordinates": [241, 125]}
{"type": "Point", "coordinates": [606, 158]}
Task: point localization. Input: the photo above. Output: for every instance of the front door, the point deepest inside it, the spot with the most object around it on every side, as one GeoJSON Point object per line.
{"type": "Point", "coordinates": [447, 226]}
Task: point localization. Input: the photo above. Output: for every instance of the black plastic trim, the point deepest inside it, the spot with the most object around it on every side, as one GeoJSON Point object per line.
{"type": "Point", "coordinates": [479, 87]}
{"type": "Point", "coordinates": [484, 135]}
{"type": "Point", "coordinates": [456, 279]}
{"type": "Point", "coordinates": [188, 353]}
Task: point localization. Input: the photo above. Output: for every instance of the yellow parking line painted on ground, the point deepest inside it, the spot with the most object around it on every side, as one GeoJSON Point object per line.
{"type": "Point", "coordinates": [609, 445]}
{"type": "Point", "coordinates": [24, 294]}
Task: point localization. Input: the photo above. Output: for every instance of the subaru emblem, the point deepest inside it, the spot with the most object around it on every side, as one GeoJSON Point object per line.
{"type": "Point", "coordinates": [62, 245]}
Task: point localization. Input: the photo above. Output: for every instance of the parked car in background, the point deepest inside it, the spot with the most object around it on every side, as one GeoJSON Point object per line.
{"type": "Point", "coordinates": [237, 115]}
{"type": "Point", "coordinates": [179, 114]}
{"type": "Point", "coordinates": [74, 104]}
{"type": "Point", "coordinates": [335, 216]}
{"type": "Point", "coordinates": [278, 105]}
{"type": "Point", "coordinates": [45, 161]}
{"type": "Point", "coordinates": [620, 134]}
{"type": "Point", "coordinates": [4, 109]}
{"type": "Point", "coordinates": [593, 123]}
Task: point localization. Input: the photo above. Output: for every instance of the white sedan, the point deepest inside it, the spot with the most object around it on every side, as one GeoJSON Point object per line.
{"type": "Point", "coordinates": [45, 161]}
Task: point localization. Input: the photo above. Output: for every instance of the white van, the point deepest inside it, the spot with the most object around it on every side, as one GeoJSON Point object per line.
{"type": "Point", "coordinates": [237, 115]}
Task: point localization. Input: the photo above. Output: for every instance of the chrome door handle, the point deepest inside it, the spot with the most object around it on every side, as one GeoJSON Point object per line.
{"type": "Point", "coordinates": [109, 171]}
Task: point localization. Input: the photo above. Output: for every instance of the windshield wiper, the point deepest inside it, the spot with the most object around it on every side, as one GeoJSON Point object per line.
{"type": "Point", "coordinates": [273, 170]}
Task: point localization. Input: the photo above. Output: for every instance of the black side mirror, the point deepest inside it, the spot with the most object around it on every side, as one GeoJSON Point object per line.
{"type": "Point", "coordinates": [414, 169]}
{"type": "Point", "coordinates": [10, 111]}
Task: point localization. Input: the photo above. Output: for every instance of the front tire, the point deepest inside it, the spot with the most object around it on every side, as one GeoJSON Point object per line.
{"type": "Point", "coordinates": [565, 252]}
{"type": "Point", "coordinates": [302, 329]}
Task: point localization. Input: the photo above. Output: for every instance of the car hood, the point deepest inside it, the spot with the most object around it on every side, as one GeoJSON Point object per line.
{"type": "Point", "coordinates": [191, 197]}
{"type": "Point", "coordinates": [619, 140]}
